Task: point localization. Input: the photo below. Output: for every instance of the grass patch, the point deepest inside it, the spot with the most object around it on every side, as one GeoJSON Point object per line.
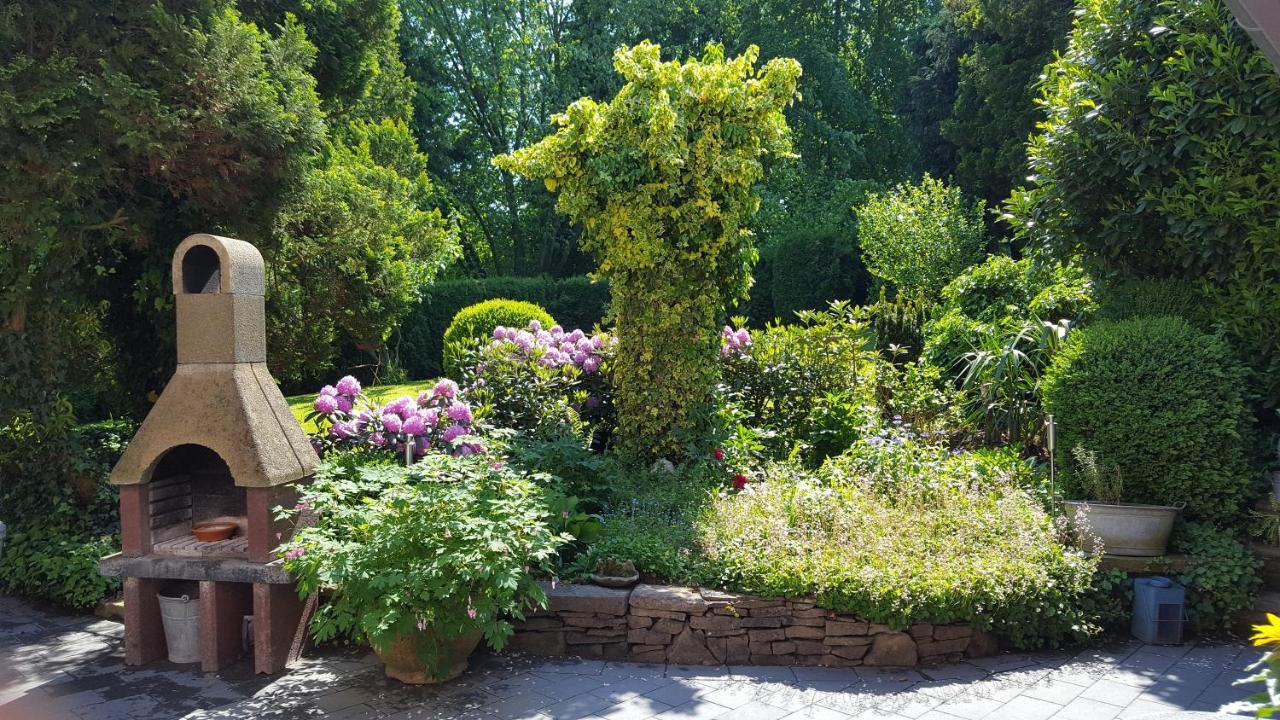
{"type": "Point", "coordinates": [300, 405]}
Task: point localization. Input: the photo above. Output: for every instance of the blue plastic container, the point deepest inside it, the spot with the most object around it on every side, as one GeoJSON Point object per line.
{"type": "Point", "coordinates": [1159, 610]}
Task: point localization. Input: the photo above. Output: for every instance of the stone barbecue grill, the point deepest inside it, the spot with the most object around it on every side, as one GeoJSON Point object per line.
{"type": "Point", "coordinates": [220, 444]}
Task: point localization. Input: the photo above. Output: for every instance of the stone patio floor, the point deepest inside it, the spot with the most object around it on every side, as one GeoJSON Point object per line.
{"type": "Point", "coordinates": [63, 667]}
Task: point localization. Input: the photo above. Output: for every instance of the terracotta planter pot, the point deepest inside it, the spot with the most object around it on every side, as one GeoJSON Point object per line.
{"type": "Point", "coordinates": [403, 664]}
{"type": "Point", "coordinates": [1130, 530]}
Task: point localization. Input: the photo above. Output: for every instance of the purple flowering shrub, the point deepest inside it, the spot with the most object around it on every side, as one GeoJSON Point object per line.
{"type": "Point", "coordinates": [807, 389]}
{"type": "Point", "coordinates": [543, 381]}
{"type": "Point", "coordinates": [439, 418]}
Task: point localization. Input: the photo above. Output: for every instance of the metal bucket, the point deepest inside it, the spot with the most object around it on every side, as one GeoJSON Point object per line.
{"type": "Point", "coordinates": [180, 614]}
{"type": "Point", "coordinates": [1131, 530]}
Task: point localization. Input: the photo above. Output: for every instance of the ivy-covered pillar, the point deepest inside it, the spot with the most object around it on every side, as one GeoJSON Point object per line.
{"type": "Point", "coordinates": [660, 179]}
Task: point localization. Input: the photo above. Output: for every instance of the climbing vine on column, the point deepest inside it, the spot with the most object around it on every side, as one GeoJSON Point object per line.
{"type": "Point", "coordinates": [660, 179]}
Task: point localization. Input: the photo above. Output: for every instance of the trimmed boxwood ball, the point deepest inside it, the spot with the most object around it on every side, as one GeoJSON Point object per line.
{"type": "Point", "coordinates": [1161, 402]}
{"type": "Point", "coordinates": [478, 321]}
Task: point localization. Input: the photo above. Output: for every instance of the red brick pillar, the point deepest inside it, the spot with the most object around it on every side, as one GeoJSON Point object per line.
{"type": "Point", "coordinates": [277, 610]}
{"type": "Point", "coordinates": [135, 519]}
{"type": "Point", "coordinates": [223, 606]}
{"type": "Point", "coordinates": [143, 628]}
{"type": "Point", "coordinates": [266, 533]}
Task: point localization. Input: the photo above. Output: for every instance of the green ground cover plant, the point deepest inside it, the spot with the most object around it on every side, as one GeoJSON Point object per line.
{"type": "Point", "coordinates": [443, 547]}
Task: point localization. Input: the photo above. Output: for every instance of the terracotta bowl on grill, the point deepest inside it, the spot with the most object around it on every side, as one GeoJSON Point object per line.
{"type": "Point", "coordinates": [213, 531]}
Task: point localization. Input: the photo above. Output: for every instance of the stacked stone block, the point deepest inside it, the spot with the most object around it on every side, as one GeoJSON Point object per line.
{"type": "Point", "coordinates": [688, 626]}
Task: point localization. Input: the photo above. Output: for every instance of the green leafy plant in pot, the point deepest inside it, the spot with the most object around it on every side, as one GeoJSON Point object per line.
{"type": "Point", "coordinates": [424, 560]}
{"type": "Point", "coordinates": [1104, 521]}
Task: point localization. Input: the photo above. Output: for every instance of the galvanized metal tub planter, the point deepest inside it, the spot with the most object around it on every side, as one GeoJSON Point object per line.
{"type": "Point", "coordinates": [1130, 530]}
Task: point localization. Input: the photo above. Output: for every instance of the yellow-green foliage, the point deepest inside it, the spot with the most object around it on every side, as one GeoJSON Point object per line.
{"type": "Point", "coordinates": [660, 179]}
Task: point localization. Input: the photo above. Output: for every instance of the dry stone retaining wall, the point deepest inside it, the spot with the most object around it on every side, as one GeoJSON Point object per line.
{"type": "Point", "coordinates": [687, 626]}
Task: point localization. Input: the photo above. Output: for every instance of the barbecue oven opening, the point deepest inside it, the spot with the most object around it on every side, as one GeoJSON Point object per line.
{"type": "Point", "coordinates": [190, 485]}
{"type": "Point", "coordinates": [201, 270]}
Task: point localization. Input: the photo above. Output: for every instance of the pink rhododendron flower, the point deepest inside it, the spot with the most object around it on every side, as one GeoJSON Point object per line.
{"type": "Point", "coordinates": [415, 425]}
{"type": "Point", "coordinates": [348, 386]}
{"type": "Point", "coordinates": [460, 412]}
{"type": "Point", "coordinates": [326, 404]}
{"type": "Point", "coordinates": [328, 390]}
{"type": "Point", "coordinates": [378, 439]}
{"type": "Point", "coordinates": [453, 432]}
{"type": "Point", "coordinates": [445, 388]}
{"type": "Point", "coordinates": [344, 403]}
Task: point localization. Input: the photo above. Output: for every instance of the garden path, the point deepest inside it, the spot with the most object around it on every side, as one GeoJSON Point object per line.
{"type": "Point", "coordinates": [67, 667]}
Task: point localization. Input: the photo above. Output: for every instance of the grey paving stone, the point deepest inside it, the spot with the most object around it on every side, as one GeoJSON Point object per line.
{"type": "Point", "coordinates": [754, 710]}
{"type": "Point", "coordinates": [1025, 708]}
{"type": "Point", "coordinates": [638, 708]}
{"type": "Point", "coordinates": [576, 707]}
{"type": "Point", "coordinates": [1086, 709]}
{"type": "Point", "coordinates": [619, 689]}
{"type": "Point", "coordinates": [970, 708]}
{"type": "Point", "coordinates": [520, 704]}
{"type": "Point", "coordinates": [791, 698]}
{"type": "Point", "coordinates": [816, 712]}
{"type": "Point", "coordinates": [825, 676]}
{"type": "Point", "coordinates": [1059, 692]}
{"type": "Point", "coordinates": [1111, 692]}
{"type": "Point", "coordinates": [693, 710]}
{"type": "Point", "coordinates": [735, 695]}
{"type": "Point", "coordinates": [856, 699]}
{"type": "Point", "coordinates": [562, 685]}
{"type": "Point", "coordinates": [572, 666]}
{"type": "Point", "coordinates": [677, 693]}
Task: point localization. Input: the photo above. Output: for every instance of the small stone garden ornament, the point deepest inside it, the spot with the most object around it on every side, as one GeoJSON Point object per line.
{"type": "Point", "coordinates": [612, 573]}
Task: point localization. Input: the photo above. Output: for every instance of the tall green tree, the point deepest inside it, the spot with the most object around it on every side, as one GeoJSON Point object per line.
{"type": "Point", "coordinates": [661, 179]}
{"type": "Point", "coordinates": [971, 101]}
{"type": "Point", "coordinates": [123, 127]}
{"type": "Point", "coordinates": [486, 69]}
{"type": "Point", "coordinates": [1160, 159]}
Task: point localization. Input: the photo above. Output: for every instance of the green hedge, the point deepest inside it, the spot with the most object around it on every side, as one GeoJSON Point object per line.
{"type": "Point", "coordinates": [1157, 158]}
{"type": "Point", "coordinates": [574, 302]}
{"type": "Point", "coordinates": [477, 322]}
{"type": "Point", "coordinates": [1161, 402]}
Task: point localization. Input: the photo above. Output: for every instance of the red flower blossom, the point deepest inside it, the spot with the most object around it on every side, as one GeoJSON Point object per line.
{"type": "Point", "coordinates": [718, 454]}
{"type": "Point", "coordinates": [739, 481]}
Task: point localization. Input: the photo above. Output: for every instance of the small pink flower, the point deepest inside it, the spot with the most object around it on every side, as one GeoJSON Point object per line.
{"type": "Point", "coordinates": [348, 386]}
{"type": "Point", "coordinates": [294, 554]}
{"type": "Point", "coordinates": [718, 454]}
{"type": "Point", "coordinates": [471, 611]}
{"type": "Point", "coordinates": [326, 404]}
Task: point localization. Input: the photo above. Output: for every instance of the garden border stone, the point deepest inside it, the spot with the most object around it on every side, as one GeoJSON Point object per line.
{"type": "Point", "coordinates": [691, 626]}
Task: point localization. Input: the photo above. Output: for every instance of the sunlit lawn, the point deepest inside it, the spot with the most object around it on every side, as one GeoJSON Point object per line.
{"type": "Point", "coordinates": [301, 404]}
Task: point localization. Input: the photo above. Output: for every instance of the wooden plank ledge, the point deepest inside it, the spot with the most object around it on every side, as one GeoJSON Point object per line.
{"type": "Point", "coordinates": [1160, 565]}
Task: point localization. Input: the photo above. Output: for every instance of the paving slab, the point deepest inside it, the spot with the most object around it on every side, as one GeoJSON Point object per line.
{"type": "Point", "coordinates": [60, 665]}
